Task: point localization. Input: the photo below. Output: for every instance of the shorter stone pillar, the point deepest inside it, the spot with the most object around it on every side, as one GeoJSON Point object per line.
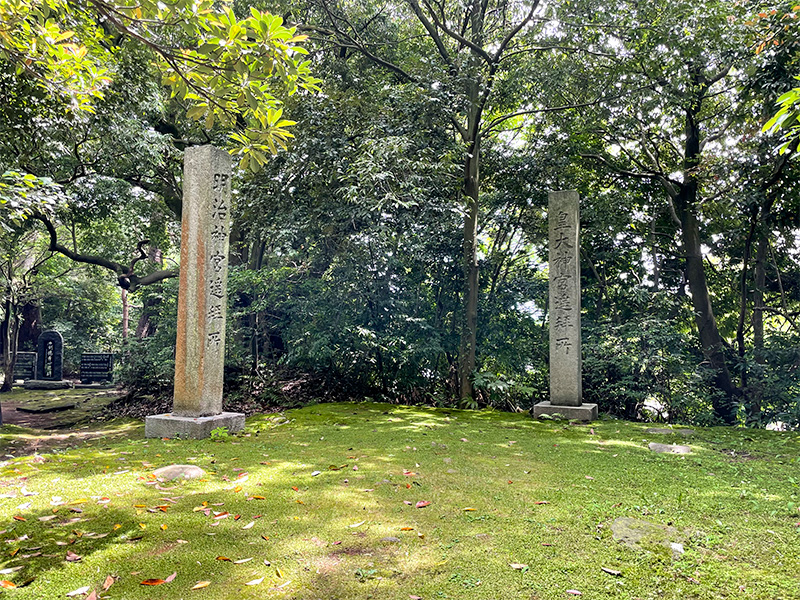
{"type": "Point", "coordinates": [202, 301]}
{"type": "Point", "coordinates": [49, 363]}
{"type": "Point", "coordinates": [566, 393]}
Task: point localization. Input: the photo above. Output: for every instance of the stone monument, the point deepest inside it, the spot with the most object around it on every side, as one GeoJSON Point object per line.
{"type": "Point", "coordinates": [97, 367]}
{"type": "Point", "coordinates": [566, 394]}
{"type": "Point", "coordinates": [202, 301]}
{"type": "Point", "coordinates": [25, 367]}
{"type": "Point", "coordinates": [49, 363]}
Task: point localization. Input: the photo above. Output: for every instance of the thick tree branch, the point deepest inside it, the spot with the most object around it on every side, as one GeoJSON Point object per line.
{"type": "Point", "coordinates": [126, 278]}
{"type": "Point", "coordinates": [431, 29]}
{"type": "Point", "coordinates": [487, 58]}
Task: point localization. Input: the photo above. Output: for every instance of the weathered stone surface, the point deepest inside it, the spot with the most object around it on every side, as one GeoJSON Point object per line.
{"type": "Point", "coordinates": [171, 472]}
{"type": "Point", "coordinates": [50, 357]}
{"type": "Point", "coordinates": [584, 412]}
{"type": "Point", "coordinates": [202, 295]}
{"type": "Point", "coordinates": [667, 431]}
{"type": "Point", "coordinates": [171, 426]}
{"type": "Point", "coordinates": [41, 384]}
{"type": "Point", "coordinates": [637, 533]}
{"type": "Point", "coordinates": [94, 386]}
{"type": "Point", "coordinates": [25, 367]}
{"type": "Point", "coordinates": [97, 367]}
{"type": "Point", "coordinates": [565, 298]}
{"type": "Point", "coordinates": [669, 448]}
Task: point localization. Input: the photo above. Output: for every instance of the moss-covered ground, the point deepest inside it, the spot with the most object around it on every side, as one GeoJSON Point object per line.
{"type": "Point", "coordinates": [42, 409]}
{"type": "Point", "coordinates": [321, 503]}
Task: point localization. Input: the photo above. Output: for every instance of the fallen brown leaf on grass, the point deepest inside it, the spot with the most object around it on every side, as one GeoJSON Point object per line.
{"type": "Point", "coordinates": [153, 582]}
{"type": "Point", "coordinates": [108, 582]}
{"type": "Point", "coordinates": [79, 591]}
{"type": "Point", "coordinates": [10, 585]}
{"type": "Point", "coordinates": [200, 585]}
{"type": "Point", "coordinates": [92, 596]}
{"type": "Point", "coordinates": [422, 504]}
{"type": "Point", "coordinates": [72, 557]}
{"type": "Point", "coordinates": [255, 581]}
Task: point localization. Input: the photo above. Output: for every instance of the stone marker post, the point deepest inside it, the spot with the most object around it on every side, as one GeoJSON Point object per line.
{"type": "Point", "coordinates": [49, 364]}
{"type": "Point", "coordinates": [202, 301]}
{"type": "Point", "coordinates": [566, 394]}
{"type": "Point", "coordinates": [50, 356]}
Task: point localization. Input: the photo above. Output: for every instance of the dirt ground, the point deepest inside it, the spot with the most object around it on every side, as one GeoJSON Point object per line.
{"type": "Point", "coordinates": [52, 426]}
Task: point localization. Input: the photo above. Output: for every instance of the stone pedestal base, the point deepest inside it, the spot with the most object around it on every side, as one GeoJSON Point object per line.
{"type": "Point", "coordinates": [584, 412]}
{"type": "Point", "coordinates": [95, 386]}
{"type": "Point", "coordinates": [171, 426]}
{"type": "Point", "coordinates": [46, 384]}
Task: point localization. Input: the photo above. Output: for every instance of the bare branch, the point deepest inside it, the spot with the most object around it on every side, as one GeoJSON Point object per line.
{"type": "Point", "coordinates": [515, 30]}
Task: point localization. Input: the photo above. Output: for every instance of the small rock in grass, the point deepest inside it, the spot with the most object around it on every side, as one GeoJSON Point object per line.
{"type": "Point", "coordinates": [669, 448]}
{"type": "Point", "coordinates": [179, 472]}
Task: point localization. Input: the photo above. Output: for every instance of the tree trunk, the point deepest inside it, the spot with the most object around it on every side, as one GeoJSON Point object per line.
{"type": "Point", "coordinates": [10, 329]}
{"type": "Point", "coordinates": [654, 251]}
{"type": "Point", "coordinates": [760, 280]}
{"type": "Point", "coordinates": [469, 333]}
{"type": "Point", "coordinates": [125, 314]}
{"type": "Point", "coordinates": [710, 338]}
{"type": "Point", "coordinates": [30, 326]}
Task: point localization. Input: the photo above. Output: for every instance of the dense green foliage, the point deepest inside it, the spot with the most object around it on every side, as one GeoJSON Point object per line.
{"type": "Point", "coordinates": [356, 251]}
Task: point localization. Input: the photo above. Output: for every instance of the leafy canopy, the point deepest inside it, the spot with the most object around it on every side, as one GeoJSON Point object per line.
{"type": "Point", "coordinates": [228, 71]}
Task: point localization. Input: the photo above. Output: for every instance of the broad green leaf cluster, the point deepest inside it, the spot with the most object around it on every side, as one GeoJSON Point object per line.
{"type": "Point", "coordinates": [21, 194]}
{"type": "Point", "coordinates": [225, 70]}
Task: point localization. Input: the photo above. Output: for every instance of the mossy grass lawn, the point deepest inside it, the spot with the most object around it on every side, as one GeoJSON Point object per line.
{"type": "Point", "coordinates": [322, 502]}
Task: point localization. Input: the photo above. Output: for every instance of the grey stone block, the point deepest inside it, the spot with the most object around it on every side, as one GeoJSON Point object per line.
{"type": "Point", "coordinates": [44, 384]}
{"type": "Point", "coordinates": [563, 217]}
{"type": "Point", "coordinates": [171, 426]}
{"type": "Point", "coordinates": [584, 412]}
{"type": "Point", "coordinates": [669, 448]}
{"type": "Point", "coordinates": [171, 472]}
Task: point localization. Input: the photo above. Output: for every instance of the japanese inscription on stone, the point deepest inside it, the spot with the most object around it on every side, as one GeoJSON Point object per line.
{"type": "Point", "coordinates": [202, 297]}
{"type": "Point", "coordinates": [25, 367]}
{"type": "Point", "coordinates": [565, 304]}
{"type": "Point", "coordinates": [96, 367]}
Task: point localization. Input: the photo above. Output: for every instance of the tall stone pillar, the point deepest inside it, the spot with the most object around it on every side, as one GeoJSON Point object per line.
{"type": "Point", "coordinates": [202, 301]}
{"type": "Point", "coordinates": [566, 394]}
